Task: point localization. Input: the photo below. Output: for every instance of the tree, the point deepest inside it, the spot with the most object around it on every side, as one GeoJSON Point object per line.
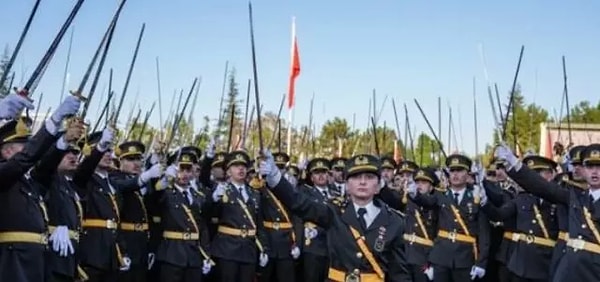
{"type": "Point", "coordinates": [584, 113]}
{"type": "Point", "coordinates": [4, 58]}
{"type": "Point", "coordinates": [522, 127]}
{"type": "Point", "coordinates": [427, 151]}
{"type": "Point", "coordinates": [232, 103]}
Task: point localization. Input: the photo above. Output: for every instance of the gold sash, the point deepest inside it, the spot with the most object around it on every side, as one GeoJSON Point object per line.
{"type": "Point", "coordinates": [283, 212]}
{"type": "Point", "coordinates": [462, 224]}
{"type": "Point", "coordinates": [360, 241]}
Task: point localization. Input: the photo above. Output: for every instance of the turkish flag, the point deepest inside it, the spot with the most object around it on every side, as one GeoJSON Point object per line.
{"type": "Point", "coordinates": [295, 67]}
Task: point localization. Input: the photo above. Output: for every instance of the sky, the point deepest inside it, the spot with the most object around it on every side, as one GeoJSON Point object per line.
{"type": "Point", "coordinates": [403, 49]}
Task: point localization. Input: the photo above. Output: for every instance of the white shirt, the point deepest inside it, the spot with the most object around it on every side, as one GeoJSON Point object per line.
{"type": "Point", "coordinates": [595, 194]}
{"type": "Point", "coordinates": [461, 194]}
{"type": "Point", "coordinates": [372, 212]}
{"type": "Point", "coordinates": [323, 191]}
{"type": "Point", "coordinates": [105, 176]}
{"type": "Point", "coordinates": [244, 192]}
{"type": "Point", "coordinates": [190, 199]}
{"type": "Point", "coordinates": [341, 187]}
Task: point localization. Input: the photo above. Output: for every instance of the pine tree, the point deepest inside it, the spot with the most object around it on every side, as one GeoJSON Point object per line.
{"type": "Point", "coordinates": [232, 101]}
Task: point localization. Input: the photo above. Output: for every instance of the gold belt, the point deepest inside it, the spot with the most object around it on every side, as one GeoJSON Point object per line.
{"type": "Point", "coordinates": [511, 236]}
{"type": "Point", "coordinates": [413, 238]}
{"type": "Point", "coordinates": [73, 235]}
{"type": "Point", "coordinates": [277, 225]}
{"type": "Point", "coordinates": [530, 239]}
{"type": "Point", "coordinates": [354, 276]}
{"type": "Point", "coordinates": [186, 236]}
{"type": "Point", "coordinates": [236, 232]}
{"type": "Point", "coordinates": [23, 237]}
{"type": "Point", "coordinates": [138, 227]}
{"type": "Point", "coordinates": [579, 244]}
{"type": "Point", "coordinates": [562, 235]}
{"type": "Point", "coordinates": [100, 223]}
{"type": "Point", "coordinates": [453, 236]}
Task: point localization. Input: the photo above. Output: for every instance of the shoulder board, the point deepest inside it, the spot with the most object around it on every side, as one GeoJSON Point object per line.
{"type": "Point", "coordinates": [576, 184]}
{"type": "Point", "coordinates": [441, 189]}
{"type": "Point", "coordinates": [339, 201]}
{"type": "Point", "coordinates": [394, 211]}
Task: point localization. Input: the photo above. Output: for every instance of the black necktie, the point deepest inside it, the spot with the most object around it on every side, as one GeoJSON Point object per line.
{"type": "Point", "coordinates": [186, 194]}
{"type": "Point", "coordinates": [324, 194]}
{"type": "Point", "coordinates": [241, 189]}
{"type": "Point", "coordinates": [456, 198]}
{"type": "Point", "coordinates": [361, 218]}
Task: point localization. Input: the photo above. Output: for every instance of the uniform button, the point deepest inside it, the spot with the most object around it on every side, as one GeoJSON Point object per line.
{"type": "Point", "coordinates": [583, 226]}
{"type": "Point", "coordinates": [277, 219]}
{"type": "Point", "coordinates": [416, 225]}
{"type": "Point", "coordinates": [359, 255]}
{"type": "Point", "coordinates": [579, 237]}
{"type": "Point", "coordinates": [534, 221]}
{"type": "Point", "coordinates": [530, 231]}
{"type": "Point", "coordinates": [455, 220]}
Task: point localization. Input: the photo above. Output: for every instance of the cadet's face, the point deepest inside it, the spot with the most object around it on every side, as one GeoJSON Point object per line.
{"type": "Point", "coordinates": [131, 165]}
{"type": "Point", "coordinates": [501, 174]}
{"type": "Point", "coordinates": [397, 180]}
{"type": "Point", "coordinates": [197, 170]}
{"type": "Point", "coordinates": [592, 175]}
{"type": "Point", "coordinates": [363, 185]}
{"type": "Point", "coordinates": [9, 150]}
{"type": "Point", "coordinates": [106, 161]}
{"type": "Point", "coordinates": [237, 173]}
{"type": "Point", "coordinates": [387, 174]}
{"type": "Point", "coordinates": [185, 175]}
{"type": "Point", "coordinates": [458, 177]}
{"type": "Point", "coordinates": [69, 162]}
{"type": "Point", "coordinates": [405, 176]}
{"type": "Point", "coordinates": [319, 177]}
{"type": "Point", "coordinates": [546, 174]}
{"type": "Point", "coordinates": [338, 175]}
{"type": "Point", "coordinates": [218, 172]}
{"type": "Point", "coordinates": [423, 186]}
{"type": "Point", "coordinates": [578, 171]}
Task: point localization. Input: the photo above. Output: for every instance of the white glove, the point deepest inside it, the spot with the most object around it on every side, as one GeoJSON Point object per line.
{"type": "Point", "coordinates": [429, 273]}
{"type": "Point", "coordinates": [106, 140]}
{"type": "Point", "coordinates": [310, 233]}
{"type": "Point", "coordinates": [171, 171]}
{"type": "Point", "coordinates": [61, 243]}
{"type": "Point", "coordinates": [263, 259]}
{"type": "Point", "coordinates": [219, 192]}
{"type": "Point", "coordinates": [482, 195]}
{"type": "Point", "coordinates": [127, 264]}
{"type": "Point", "coordinates": [150, 260]}
{"type": "Point", "coordinates": [291, 179]}
{"type": "Point", "coordinates": [68, 107]}
{"type": "Point", "coordinates": [295, 252]}
{"type": "Point", "coordinates": [302, 164]}
{"type": "Point", "coordinates": [504, 153]}
{"type": "Point", "coordinates": [267, 167]}
{"type": "Point", "coordinates": [154, 172]}
{"type": "Point", "coordinates": [12, 106]}
{"type": "Point", "coordinates": [206, 266]}
{"type": "Point", "coordinates": [477, 272]}
{"type": "Point", "coordinates": [411, 188]}
{"type": "Point", "coordinates": [211, 148]}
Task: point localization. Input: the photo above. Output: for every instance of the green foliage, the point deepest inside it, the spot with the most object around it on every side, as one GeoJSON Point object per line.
{"type": "Point", "coordinates": [584, 112]}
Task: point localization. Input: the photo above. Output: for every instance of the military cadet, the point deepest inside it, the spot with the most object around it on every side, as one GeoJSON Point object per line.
{"type": "Point", "coordinates": [315, 255]}
{"type": "Point", "coordinates": [182, 254]}
{"type": "Point", "coordinates": [388, 166]}
{"type": "Point", "coordinates": [240, 237]}
{"type": "Point", "coordinates": [102, 251]}
{"type": "Point", "coordinates": [583, 209]}
{"type": "Point", "coordinates": [23, 222]}
{"type": "Point", "coordinates": [65, 212]}
{"type": "Point", "coordinates": [281, 229]}
{"type": "Point", "coordinates": [460, 252]}
{"type": "Point", "coordinates": [365, 236]}
{"type": "Point", "coordinates": [499, 192]}
{"type": "Point", "coordinates": [338, 165]}
{"type": "Point", "coordinates": [573, 179]}
{"type": "Point", "coordinates": [536, 226]}
{"type": "Point", "coordinates": [133, 226]}
{"type": "Point", "coordinates": [406, 169]}
{"type": "Point", "coordinates": [293, 174]}
{"type": "Point", "coordinates": [421, 228]}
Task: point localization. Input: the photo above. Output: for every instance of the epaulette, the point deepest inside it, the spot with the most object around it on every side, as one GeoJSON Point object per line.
{"type": "Point", "coordinates": [401, 214]}
{"type": "Point", "coordinates": [580, 185]}
{"type": "Point", "coordinates": [340, 202]}
{"type": "Point", "coordinates": [441, 189]}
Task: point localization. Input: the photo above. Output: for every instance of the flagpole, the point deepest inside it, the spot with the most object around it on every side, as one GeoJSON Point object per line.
{"type": "Point", "coordinates": [291, 106]}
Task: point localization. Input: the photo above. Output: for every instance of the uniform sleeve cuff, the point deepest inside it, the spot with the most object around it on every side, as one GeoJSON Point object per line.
{"type": "Point", "coordinates": [51, 127]}
{"type": "Point", "coordinates": [61, 144]}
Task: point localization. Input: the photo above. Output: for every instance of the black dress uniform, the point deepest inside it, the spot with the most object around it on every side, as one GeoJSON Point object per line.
{"type": "Point", "coordinates": [282, 230]}
{"type": "Point", "coordinates": [338, 189]}
{"type": "Point", "coordinates": [183, 249]}
{"type": "Point", "coordinates": [583, 246]}
{"type": "Point", "coordinates": [536, 230]}
{"type": "Point", "coordinates": [314, 251]}
{"type": "Point", "coordinates": [65, 209]}
{"type": "Point", "coordinates": [357, 251]}
{"type": "Point", "coordinates": [102, 251]}
{"type": "Point", "coordinates": [133, 228]}
{"type": "Point", "coordinates": [240, 236]}
{"type": "Point", "coordinates": [23, 221]}
{"type": "Point", "coordinates": [463, 230]}
{"type": "Point", "coordinates": [421, 229]}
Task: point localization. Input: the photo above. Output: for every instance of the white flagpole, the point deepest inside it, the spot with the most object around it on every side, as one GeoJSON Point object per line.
{"type": "Point", "coordinates": [290, 110]}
